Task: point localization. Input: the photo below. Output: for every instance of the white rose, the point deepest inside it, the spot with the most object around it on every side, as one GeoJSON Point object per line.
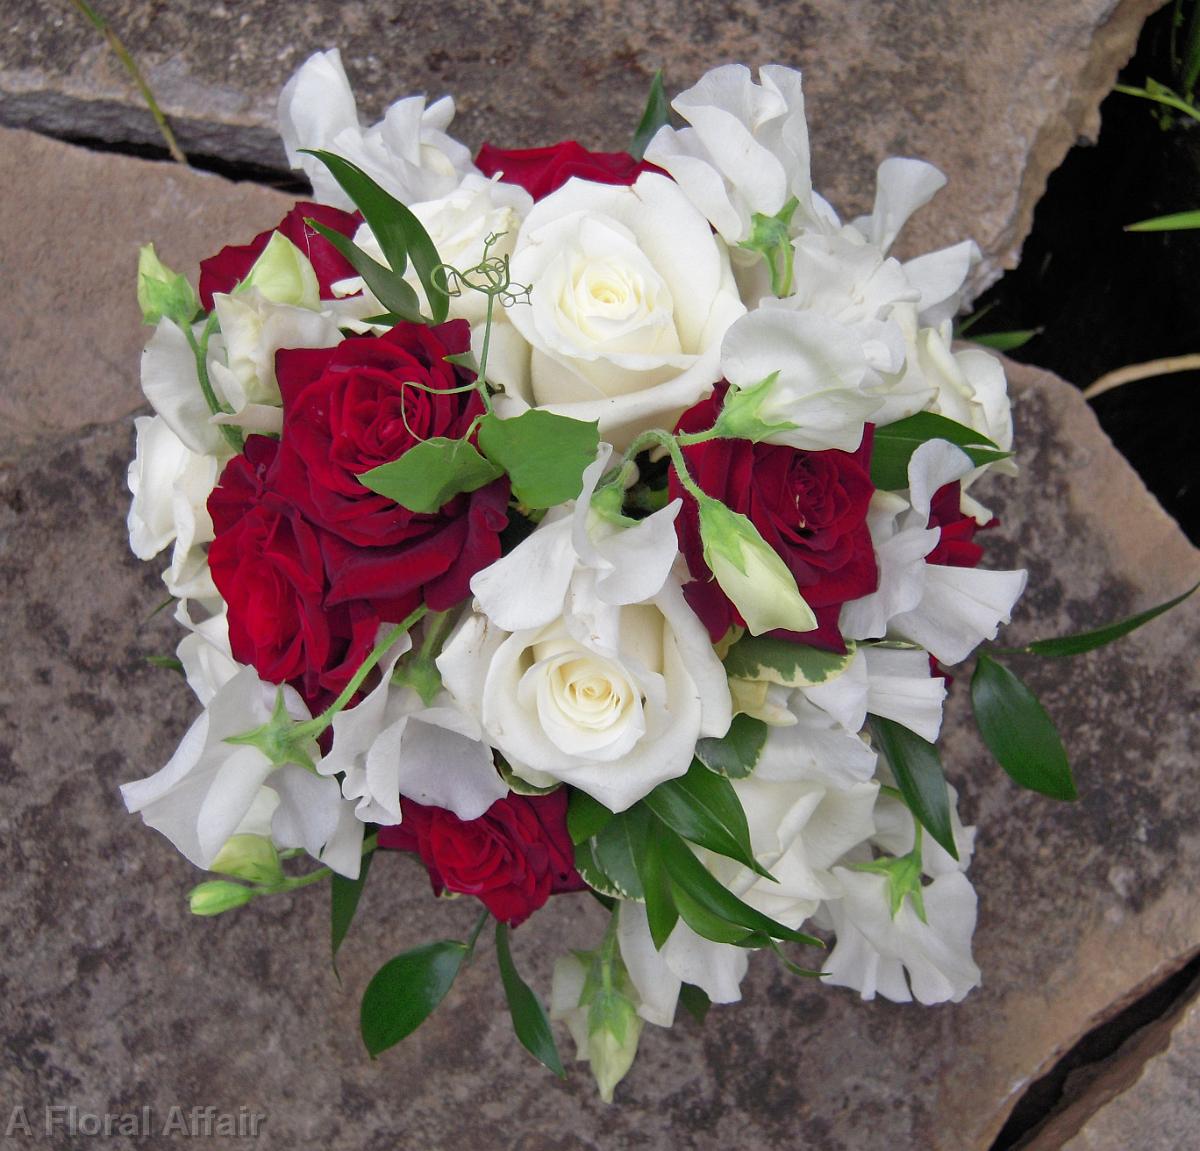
{"type": "Point", "coordinates": [631, 295]}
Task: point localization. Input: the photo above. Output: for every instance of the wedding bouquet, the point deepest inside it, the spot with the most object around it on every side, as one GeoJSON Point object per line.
{"type": "Point", "coordinates": [585, 522]}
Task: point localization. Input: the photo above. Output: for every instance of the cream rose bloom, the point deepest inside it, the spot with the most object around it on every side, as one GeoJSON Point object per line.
{"type": "Point", "coordinates": [632, 293]}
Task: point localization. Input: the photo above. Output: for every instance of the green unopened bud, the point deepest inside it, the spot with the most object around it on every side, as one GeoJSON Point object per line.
{"type": "Point", "coordinates": [750, 572]}
{"type": "Point", "coordinates": [218, 895]}
{"type": "Point", "coordinates": [284, 275]}
{"type": "Point", "coordinates": [162, 292]}
{"type": "Point", "coordinates": [249, 857]}
{"type": "Point", "coordinates": [745, 415]}
{"type": "Point", "coordinates": [614, 1028]}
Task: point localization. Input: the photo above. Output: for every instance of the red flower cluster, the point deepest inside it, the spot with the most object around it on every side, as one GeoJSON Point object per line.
{"type": "Point", "coordinates": [308, 559]}
{"type": "Point", "coordinates": [541, 171]}
{"type": "Point", "coordinates": [513, 857]}
{"type": "Point", "coordinates": [811, 507]}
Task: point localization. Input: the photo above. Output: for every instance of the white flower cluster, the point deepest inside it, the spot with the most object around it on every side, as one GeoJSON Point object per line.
{"type": "Point", "coordinates": [579, 661]}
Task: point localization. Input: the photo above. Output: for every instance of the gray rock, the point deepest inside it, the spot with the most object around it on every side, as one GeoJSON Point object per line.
{"type": "Point", "coordinates": [994, 93]}
{"type": "Point", "coordinates": [112, 998]}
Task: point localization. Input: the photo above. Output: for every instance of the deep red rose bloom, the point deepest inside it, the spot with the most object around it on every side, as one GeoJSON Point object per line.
{"type": "Point", "coordinates": [220, 273]}
{"type": "Point", "coordinates": [810, 507]}
{"type": "Point", "coordinates": [956, 546]}
{"type": "Point", "coordinates": [268, 566]}
{"type": "Point", "coordinates": [513, 857]}
{"type": "Point", "coordinates": [541, 171]}
{"type": "Point", "coordinates": [347, 410]}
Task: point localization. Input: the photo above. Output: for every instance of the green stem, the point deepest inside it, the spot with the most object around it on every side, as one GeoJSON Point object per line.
{"type": "Point", "coordinates": [295, 882]}
{"type": "Point", "coordinates": [233, 436]}
{"type": "Point", "coordinates": [314, 727]}
{"type": "Point", "coordinates": [135, 73]}
{"type": "Point", "coordinates": [484, 915]}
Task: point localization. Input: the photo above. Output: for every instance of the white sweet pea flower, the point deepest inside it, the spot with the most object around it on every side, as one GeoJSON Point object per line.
{"type": "Point", "coordinates": [391, 744]}
{"type": "Point", "coordinates": [746, 152]}
{"type": "Point", "coordinates": [170, 383]}
{"type": "Point", "coordinates": [208, 663]}
{"type": "Point", "coordinates": [605, 681]}
{"type": "Point", "coordinates": [901, 187]}
{"type": "Point", "coordinates": [948, 611]}
{"type": "Point", "coordinates": [407, 153]}
{"type": "Point", "coordinates": [632, 294]}
{"type": "Point", "coordinates": [895, 834]}
{"type": "Point", "coordinates": [875, 948]}
{"type": "Point", "coordinates": [211, 790]}
{"type": "Point", "coordinates": [820, 374]}
{"type": "Point", "coordinates": [941, 279]}
{"type": "Point", "coordinates": [170, 485]}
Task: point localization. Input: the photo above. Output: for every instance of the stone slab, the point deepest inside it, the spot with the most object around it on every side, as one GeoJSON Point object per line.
{"type": "Point", "coordinates": [112, 998]}
{"type": "Point", "coordinates": [993, 93]}
{"type": "Point", "coordinates": [1161, 1110]}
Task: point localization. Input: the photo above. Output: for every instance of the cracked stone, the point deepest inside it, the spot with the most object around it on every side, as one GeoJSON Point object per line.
{"type": "Point", "coordinates": [122, 1000]}
{"type": "Point", "coordinates": [994, 94]}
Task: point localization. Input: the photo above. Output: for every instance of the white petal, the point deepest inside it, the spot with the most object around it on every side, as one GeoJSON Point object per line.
{"type": "Point", "coordinates": [657, 985]}
{"type": "Point", "coordinates": [902, 689]}
{"type": "Point", "coordinates": [902, 186]}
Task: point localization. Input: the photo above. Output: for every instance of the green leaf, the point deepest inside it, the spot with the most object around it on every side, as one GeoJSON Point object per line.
{"type": "Point", "coordinates": [1007, 341]}
{"type": "Point", "coordinates": [703, 807]}
{"type": "Point", "coordinates": [431, 473]}
{"type": "Point", "coordinates": [618, 847]}
{"type": "Point", "coordinates": [586, 816]}
{"type": "Point", "coordinates": [783, 662]}
{"type": "Point", "coordinates": [399, 233]}
{"type": "Point", "coordinates": [168, 662]}
{"type": "Point", "coordinates": [689, 875]}
{"type": "Point", "coordinates": [661, 912]}
{"type": "Point", "coordinates": [737, 751]}
{"type": "Point", "coordinates": [390, 288]}
{"type": "Point", "coordinates": [657, 113]}
{"type": "Point", "coordinates": [695, 1001]}
{"type": "Point", "coordinates": [1084, 641]}
{"type": "Point", "coordinates": [918, 772]}
{"type": "Point", "coordinates": [405, 991]}
{"type": "Point", "coordinates": [1175, 222]}
{"type": "Point", "coordinates": [344, 895]}
{"type": "Point", "coordinates": [528, 1014]}
{"type": "Point", "coordinates": [895, 443]}
{"type": "Point", "coordinates": [1018, 731]}
{"type": "Point", "coordinates": [545, 455]}
{"type": "Point", "coordinates": [704, 922]}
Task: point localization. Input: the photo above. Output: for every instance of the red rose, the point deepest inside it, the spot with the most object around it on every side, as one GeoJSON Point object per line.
{"type": "Point", "coordinates": [268, 566]}
{"type": "Point", "coordinates": [541, 171]}
{"type": "Point", "coordinates": [810, 507]}
{"type": "Point", "coordinates": [220, 273]}
{"type": "Point", "coordinates": [956, 546]}
{"type": "Point", "coordinates": [347, 410]}
{"type": "Point", "coordinates": [513, 857]}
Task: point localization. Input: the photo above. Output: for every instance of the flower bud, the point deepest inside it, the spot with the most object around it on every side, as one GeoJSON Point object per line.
{"type": "Point", "coordinates": [750, 572]}
{"type": "Point", "coordinates": [218, 895]}
{"type": "Point", "coordinates": [614, 1028]}
{"type": "Point", "coordinates": [249, 857]}
{"type": "Point", "coordinates": [284, 275]}
{"type": "Point", "coordinates": [162, 292]}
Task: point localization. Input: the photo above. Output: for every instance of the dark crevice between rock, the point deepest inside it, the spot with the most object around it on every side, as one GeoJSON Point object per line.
{"type": "Point", "coordinates": [1075, 1087]}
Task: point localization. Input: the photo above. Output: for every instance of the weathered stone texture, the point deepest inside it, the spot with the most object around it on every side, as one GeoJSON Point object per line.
{"type": "Point", "coordinates": [112, 997]}
{"type": "Point", "coordinates": [994, 93]}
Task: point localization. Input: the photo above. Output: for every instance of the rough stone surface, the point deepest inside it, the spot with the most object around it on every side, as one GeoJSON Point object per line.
{"type": "Point", "coordinates": [994, 93]}
{"type": "Point", "coordinates": [1159, 1111]}
{"type": "Point", "coordinates": [113, 998]}
{"type": "Point", "coordinates": [68, 249]}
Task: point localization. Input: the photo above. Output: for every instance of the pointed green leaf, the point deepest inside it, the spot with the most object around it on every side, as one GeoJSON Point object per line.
{"type": "Point", "coordinates": [528, 1014]}
{"type": "Point", "coordinates": [405, 991]}
{"type": "Point", "coordinates": [390, 288]}
{"type": "Point", "coordinates": [783, 662]}
{"type": "Point", "coordinates": [586, 816]}
{"type": "Point", "coordinates": [431, 473]}
{"type": "Point", "coordinates": [695, 1001]}
{"type": "Point", "coordinates": [689, 875]}
{"type": "Point", "coordinates": [399, 233]}
{"type": "Point", "coordinates": [1018, 731]}
{"type": "Point", "coordinates": [657, 113]}
{"type": "Point", "coordinates": [1085, 641]}
{"type": "Point", "coordinates": [706, 923]}
{"type": "Point", "coordinates": [545, 455]}
{"type": "Point", "coordinates": [895, 443]}
{"type": "Point", "coordinates": [344, 895]}
{"type": "Point", "coordinates": [618, 847]}
{"type": "Point", "coordinates": [704, 808]}
{"type": "Point", "coordinates": [918, 772]}
{"type": "Point", "coordinates": [661, 912]}
{"type": "Point", "coordinates": [737, 751]}
{"type": "Point", "coordinates": [1175, 222]}
{"type": "Point", "coordinates": [1006, 341]}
